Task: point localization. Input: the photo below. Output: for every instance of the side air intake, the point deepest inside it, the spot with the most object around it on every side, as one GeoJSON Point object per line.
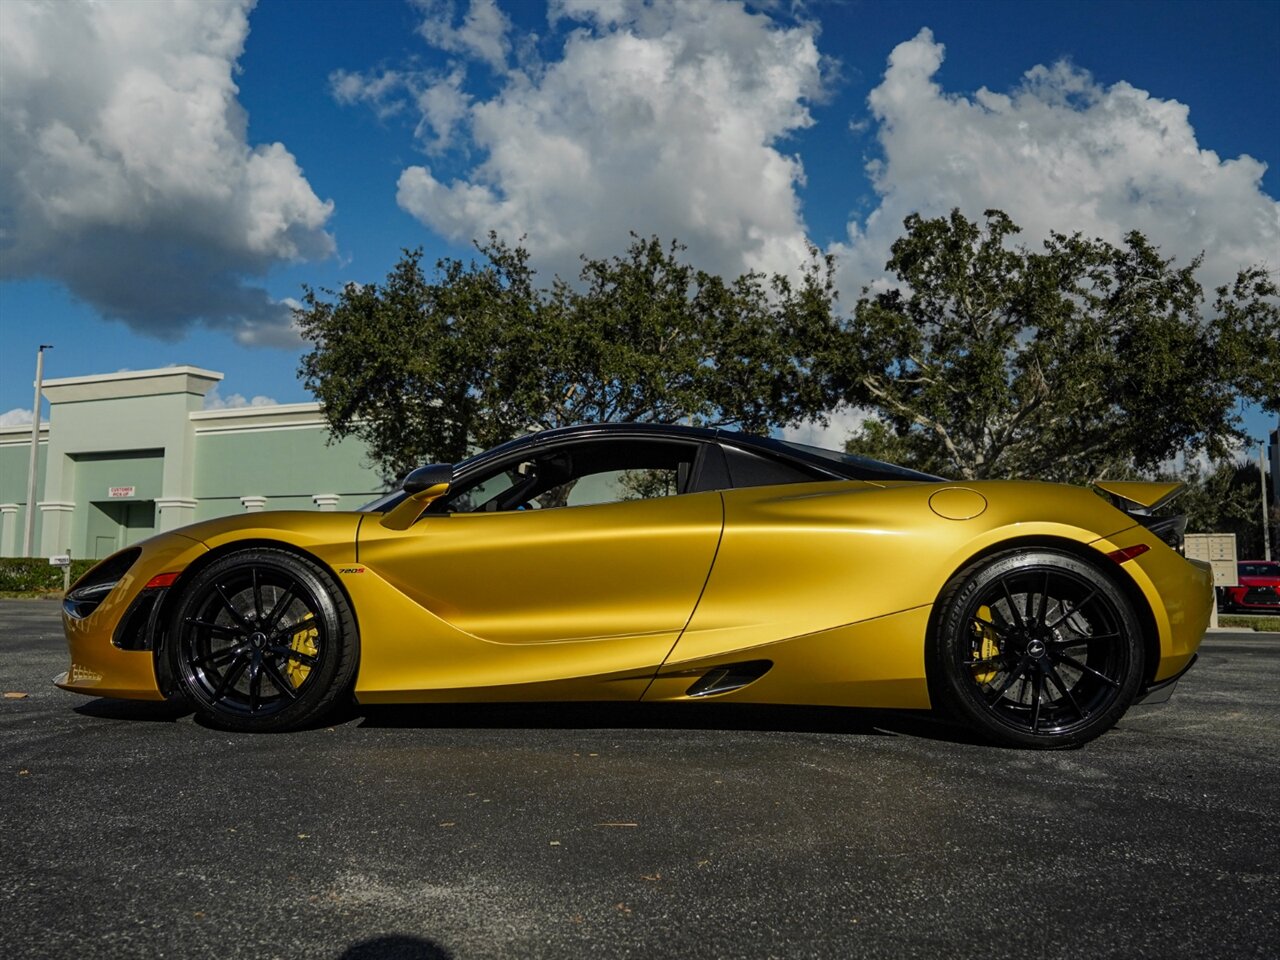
{"type": "Point", "coordinates": [733, 676]}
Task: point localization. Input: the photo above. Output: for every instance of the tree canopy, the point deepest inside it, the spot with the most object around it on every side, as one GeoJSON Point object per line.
{"type": "Point", "coordinates": [980, 358]}
{"type": "Point", "coordinates": [1227, 498]}
{"type": "Point", "coordinates": [1081, 359]}
{"type": "Point", "coordinates": [425, 368]}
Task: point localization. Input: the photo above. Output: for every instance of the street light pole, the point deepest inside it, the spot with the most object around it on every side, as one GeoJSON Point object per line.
{"type": "Point", "coordinates": [1262, 481]}
{"type": "Point", "coordinates": [29, 532]}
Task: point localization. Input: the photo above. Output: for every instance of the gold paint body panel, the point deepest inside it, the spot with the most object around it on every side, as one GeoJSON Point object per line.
{"type": "Point", "coordinates": [833, 583]}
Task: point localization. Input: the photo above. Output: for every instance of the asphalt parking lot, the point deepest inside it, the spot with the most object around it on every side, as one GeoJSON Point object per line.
{"type": "Point", "coordinates": [594, 831]}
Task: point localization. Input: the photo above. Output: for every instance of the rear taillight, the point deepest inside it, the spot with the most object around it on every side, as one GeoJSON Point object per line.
{"type": "Point", "coordinates": [1125, 554]}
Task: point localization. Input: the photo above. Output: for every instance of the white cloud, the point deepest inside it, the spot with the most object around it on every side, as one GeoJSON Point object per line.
{"type": "Point", "coordinates": [1058, 152]}
{"type": "Point", "coordinates": [482, 33]}
{"type": "Point", "coordinates": [439, 100]}
{"type": "Point", "coordinates": [213, 400]}
{"type": "Point", "coordinates": [663, 118]}
{"type": "Point", "coordinates": [841, 423]}
{"type": "Point", "coordinates": [16, 417]}
{"type": "Point", "coordinates": [127, 173]}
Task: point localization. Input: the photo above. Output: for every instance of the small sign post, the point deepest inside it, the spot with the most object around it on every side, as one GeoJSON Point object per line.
{"type": "Point", "coordinates": [64, 561]}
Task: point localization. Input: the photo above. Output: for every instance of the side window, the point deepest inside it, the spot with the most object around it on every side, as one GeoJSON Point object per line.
{"type": "Point", "coordinates": [752, 470]}
{"type": "Point", "coordinates": [489, 493]}
{"type": "Point", "coordinates": [585, 474]}
{"type": "Point", "coordinates": [612, 486]}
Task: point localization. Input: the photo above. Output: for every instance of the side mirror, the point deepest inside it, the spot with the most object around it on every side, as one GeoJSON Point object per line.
{"type": "Point", "coordinates": [431, 475]}
{"type": "Point", "coordinates": [422, 486]}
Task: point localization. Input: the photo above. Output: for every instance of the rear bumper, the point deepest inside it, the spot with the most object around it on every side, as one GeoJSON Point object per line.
{"type": "Point", "coordinates": [1161, 691]}
{"type": "Point", "coordinates": [1179, 594]}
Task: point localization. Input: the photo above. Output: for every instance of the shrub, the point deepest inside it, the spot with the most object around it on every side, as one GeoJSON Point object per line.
{"type": "Point", "coordinates": [35, 574]}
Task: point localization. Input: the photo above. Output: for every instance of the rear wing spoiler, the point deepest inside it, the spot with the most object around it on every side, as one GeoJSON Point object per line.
{"type": "Point", "coordinates": [1140, 496]}
{"type": "Point", "coordinates": [1139, 499]}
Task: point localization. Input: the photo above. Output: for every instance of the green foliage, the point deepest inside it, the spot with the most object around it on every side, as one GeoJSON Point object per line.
{"type": "Point", "coordinates": [36, 575]}
{"type": "Point", "coordinates": [426, 368]}
{"type": "Point", "coordinates": [1254, 623]}
{"type": "Point", "coordinates": [1228, 499]}
{"type": "Point", "coordinates": [1079, 360]}
{"type": "Point", "coordinates": [1075, 362]}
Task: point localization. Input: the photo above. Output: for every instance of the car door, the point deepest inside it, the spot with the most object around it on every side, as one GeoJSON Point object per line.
{"type": "Point", "coordinates": [594, 591]}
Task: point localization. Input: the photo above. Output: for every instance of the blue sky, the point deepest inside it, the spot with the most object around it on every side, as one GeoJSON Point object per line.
{"type": "Point", "coordinates": [172, 175]}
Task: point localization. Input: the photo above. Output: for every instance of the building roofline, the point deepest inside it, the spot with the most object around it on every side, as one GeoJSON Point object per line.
{"type": "Point", "coordinates": [262, 410]}
{"type": "Point", "coordinates": [182, 368]}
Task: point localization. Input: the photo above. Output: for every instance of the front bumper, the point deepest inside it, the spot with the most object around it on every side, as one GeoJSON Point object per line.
{"type": "Point", "coordinates": [100, 667]}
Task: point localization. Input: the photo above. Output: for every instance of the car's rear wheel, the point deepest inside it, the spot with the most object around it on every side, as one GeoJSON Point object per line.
{"type": "Point", "coordinates": [263, 640]}
{"type": "Point", "coordinates": [1036, 649]}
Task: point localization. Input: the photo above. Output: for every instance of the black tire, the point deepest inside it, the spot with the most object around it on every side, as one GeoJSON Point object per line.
{"type": "Point", "coordinates": [1035, 648]}
{"type": "Point", "coordinates": [263, 640]}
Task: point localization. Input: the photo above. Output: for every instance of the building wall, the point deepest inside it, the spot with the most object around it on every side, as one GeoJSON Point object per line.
{"type": "Point", "coordinates": [285, 457]}
{"type": "Point", "coordinates": [131, 454]}
{"type": "Point", "coordinates": [15, 457]}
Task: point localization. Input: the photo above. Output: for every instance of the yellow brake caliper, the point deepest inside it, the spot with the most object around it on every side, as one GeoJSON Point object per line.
{"type": "Point", "coordinates": [304, 641]}
{"type": "Point", "coordinates": [987, 649]}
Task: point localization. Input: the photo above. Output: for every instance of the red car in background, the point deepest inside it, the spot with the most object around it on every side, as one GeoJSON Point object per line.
{"type": "Point", "coordinates": [1259, 587]}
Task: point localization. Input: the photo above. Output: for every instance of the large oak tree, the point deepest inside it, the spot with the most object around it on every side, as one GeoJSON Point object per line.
{"type": "Point", "coordinates": [429, 367]}
{"type": "Point", "coordinates": [1083, 358]}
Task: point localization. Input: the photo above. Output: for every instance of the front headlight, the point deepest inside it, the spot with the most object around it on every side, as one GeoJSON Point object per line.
{"type": "Point", "coordinates": [89, 591]}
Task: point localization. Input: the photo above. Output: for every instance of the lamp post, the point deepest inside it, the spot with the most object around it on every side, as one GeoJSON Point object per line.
{"type": "Point", "coordinates": [29, 532]}
{"type": "Point", "coordinates": [1262, 481]}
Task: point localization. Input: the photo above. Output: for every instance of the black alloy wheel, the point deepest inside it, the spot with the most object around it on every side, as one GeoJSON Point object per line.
{"type": "Point", "coordinates": [1037, 649]}
{"type": "Point", "coordinates": [263, 640]}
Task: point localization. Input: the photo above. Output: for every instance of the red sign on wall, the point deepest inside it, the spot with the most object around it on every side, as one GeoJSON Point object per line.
{"type": "Point", "coordinates": [117, 492]}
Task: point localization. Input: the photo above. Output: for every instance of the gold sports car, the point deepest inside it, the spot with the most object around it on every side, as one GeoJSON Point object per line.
{"type": "Point", "coordinates": [630, 562]}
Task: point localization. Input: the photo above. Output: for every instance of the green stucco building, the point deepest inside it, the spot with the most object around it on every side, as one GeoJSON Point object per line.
{"type": "Point", "coordinates": [126, 455]}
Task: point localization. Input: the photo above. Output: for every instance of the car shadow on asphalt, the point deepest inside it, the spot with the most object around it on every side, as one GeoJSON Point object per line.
{"type": "Point", "coordinates": [660, 716]}
{"type": "Point", "coordinates": [105, 708]}
{"type": "Point", "coordinates": [746, 717]}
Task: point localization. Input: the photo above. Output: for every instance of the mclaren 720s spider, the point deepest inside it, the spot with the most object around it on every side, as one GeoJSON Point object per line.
{"type": "Point", "coordinates": [661, 563]}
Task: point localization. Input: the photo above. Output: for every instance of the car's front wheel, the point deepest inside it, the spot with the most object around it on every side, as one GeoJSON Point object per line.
{"type": "Point", "coordinates": [263, 640]}
{"type": "Point", "coordinates": [1036, 648]}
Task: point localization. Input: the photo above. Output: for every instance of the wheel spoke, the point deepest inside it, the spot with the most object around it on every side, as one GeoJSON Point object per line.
{"type": "Point", "coordinates": [1014, 676]}
{"type": "Point", "coordinates": [1017, 614]}
{"type": "Point", "coordinates": [1057, 681]}
{"type": "Point", "coordinates": [1077, 641]}
{"type": "Point", "coordinates": [207, 625]}
{"type": "Point", "coordinates": [257, 595]}
{"type": "Point", "coordinates": [1073, 662]}
{"type": "Point", "coordinates": [230, 677]}
{"type": "Point", "coordinates": [1044, 602]}
{"type": "Point", "coordinates": [293, 629]}
{"type": "Point", "coordinates": [235, 614]}
{"type": "Point", "coordinates": [255, 685]}
{"type": "Point", "coordinates": [1037, 695]}
{"type": "Point", "coordinates": [217, 657]}
{"type": "Point", "coordinates": [279, 679]}
{"type": "Point", "coordinates": [1071, 611]}
{"type": "Point", "coordinates": [998, 628]}
{"type": "Point", "coordinates": [999, 658]}
{"type": "Point", "coordinates": [288, 653]}
{"type": "Point", "coordinates": [282, 604]}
